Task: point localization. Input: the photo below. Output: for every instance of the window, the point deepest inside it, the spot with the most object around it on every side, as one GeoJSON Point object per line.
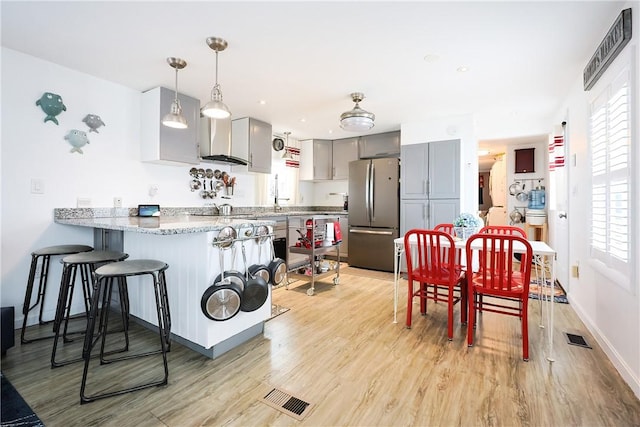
{"type": "Point", "coordinates": [610, 142]}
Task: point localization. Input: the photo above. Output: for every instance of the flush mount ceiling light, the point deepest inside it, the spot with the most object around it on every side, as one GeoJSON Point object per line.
{"type": "Point", "coordinates": [357, 120]}
{"type": "Point", "coordinates": [175, 119]}
{"type": "Point", "coordinates": [216, 109]}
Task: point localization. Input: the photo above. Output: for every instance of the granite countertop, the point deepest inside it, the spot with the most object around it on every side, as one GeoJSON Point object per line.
{"type": "Point", "coordinates": [174, 220]}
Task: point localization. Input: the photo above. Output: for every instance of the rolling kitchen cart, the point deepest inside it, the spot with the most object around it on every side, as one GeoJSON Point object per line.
{"type": "Point", "coordinates": [316, 237]}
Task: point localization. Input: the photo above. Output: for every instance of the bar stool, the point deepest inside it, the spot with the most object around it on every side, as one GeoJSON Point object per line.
{"type": "Point", "coordinates": [103, 280]}
{"type": "Point", "coordinates": [86, 262]}
{"type": "Point", "coordinates": [44, 255]}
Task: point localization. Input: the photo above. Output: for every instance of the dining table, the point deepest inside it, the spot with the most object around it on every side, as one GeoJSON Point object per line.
{"type": "Point", "coordinates": [544, 258]}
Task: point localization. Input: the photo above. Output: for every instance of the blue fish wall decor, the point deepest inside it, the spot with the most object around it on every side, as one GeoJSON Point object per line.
{"type": "Point", "coordinates": [94, 122]}
{"type": "Point", "coordinates": [77, 139]}
{"type": "Point", "coordinates": [52, 105]}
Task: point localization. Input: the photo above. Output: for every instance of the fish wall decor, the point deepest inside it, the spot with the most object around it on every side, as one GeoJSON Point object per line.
{"type": "Point", "coordinates": [77, 139]}
{"type": "Point", "coordinates": [52, 105]}
{"type": "Point", "coordinates": [94, 122]}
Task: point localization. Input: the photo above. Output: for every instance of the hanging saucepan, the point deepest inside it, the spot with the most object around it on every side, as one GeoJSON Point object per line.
{"type": "Point", "coordinates": [522, 196]}
{"type": "Point", "coordinates": [256, 289]}
{"type": "Point", "coordinates": [277, 267]}
{"type": "Point", "coordinates": [260, 269]}
{"type": "Point", "coordinates": [515, 188]}
{"type": "Point", "coordinates": [515, 216]}
{"type": "Point", "coordinates": [222, 300]}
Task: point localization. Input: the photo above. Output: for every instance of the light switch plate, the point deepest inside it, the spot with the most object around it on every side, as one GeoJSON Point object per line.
{"type": "Point", "coordinates": [37, 186]}
{"type": "Point", "coordinates": [83, 202]}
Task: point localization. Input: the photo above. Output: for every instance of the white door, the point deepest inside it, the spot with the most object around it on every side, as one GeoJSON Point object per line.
{"type": "Point", "coordinates": [558, 200]}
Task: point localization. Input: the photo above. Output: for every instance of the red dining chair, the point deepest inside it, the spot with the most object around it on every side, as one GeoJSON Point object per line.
{"type": "Point", "coordinates": [498, 278]}
{"type": "Point", "coordinates": [504, 229]}
{"type": "Point", "coordinates": [430, 258]}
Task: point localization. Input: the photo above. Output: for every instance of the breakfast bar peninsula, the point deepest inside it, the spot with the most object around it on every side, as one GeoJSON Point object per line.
{"type": "Point", "coordinates": [192, 246]}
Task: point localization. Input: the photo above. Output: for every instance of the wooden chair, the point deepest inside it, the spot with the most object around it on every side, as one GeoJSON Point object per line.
{"type": "Point", "coordinates": [497, 278]}
{"type": "Point", "coordinates": [431, 262]}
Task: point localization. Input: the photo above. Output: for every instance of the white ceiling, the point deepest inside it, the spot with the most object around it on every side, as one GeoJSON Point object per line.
{"type": "Point", "coordinates": [305, 58]}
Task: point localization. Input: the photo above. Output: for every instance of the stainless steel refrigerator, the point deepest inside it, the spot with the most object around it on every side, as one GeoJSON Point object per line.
{"type": "Point", "coordinates": [374, 212]}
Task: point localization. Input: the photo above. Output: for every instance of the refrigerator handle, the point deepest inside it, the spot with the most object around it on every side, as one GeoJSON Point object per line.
{"type": "Point", "coordinates": [367, 201]}
{"type": "Point", "coordinates": [372, 190]}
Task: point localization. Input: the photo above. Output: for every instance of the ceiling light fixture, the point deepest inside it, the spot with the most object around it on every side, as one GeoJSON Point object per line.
{"type": "Point", "coordinates": [287, 153]}
{"type": "Point", "coordinates": [357, 120]}
{"type": "Point", "coordinates": [216, 109]}
{"type": "Point", "coordinates": [175, 119]}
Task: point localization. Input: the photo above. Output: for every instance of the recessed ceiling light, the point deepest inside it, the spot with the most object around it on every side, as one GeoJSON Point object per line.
{"type": "Point", "coordinates": [262, 102]}
{"type": "Point", "coordinates": [431, 57]}
{"type": "Point", "coordinates": [462, 69]}
{"type": "Point", "coordinates": [483, 152]}
{"type": "Point", "coordinates": [330, 130]}
{"type": "Point", "coordinates": [303, 120]}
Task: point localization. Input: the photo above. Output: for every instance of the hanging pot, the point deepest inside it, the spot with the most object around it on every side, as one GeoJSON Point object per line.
{"type": "Point", "coordinates": [515, 216]}
{"type": "Point", "coordinates": [260, 270]}
{"type": "Point", "coordinates": [222, 301]}
{"type": "Point", "coordinates": [277, 267]}
{"type": "Point", "coordinates": [515, 188]}
{"type": "Point", "coordinates": [256, 289]}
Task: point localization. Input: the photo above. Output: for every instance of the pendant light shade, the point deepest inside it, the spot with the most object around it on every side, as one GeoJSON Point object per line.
{"type": "Point", "coordinates": [175, 119]}
{"type": "Point", "coordinates": [287, 153]}
{"type": "Point", "coordinates": [216, 109]}
{"type": "Point", "coordinates": [357, 120]}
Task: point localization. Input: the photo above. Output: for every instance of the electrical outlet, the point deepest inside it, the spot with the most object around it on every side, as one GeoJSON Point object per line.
{"type": "Point", "coordinates": [37, 186]}
{"type": "Point", "coordinates": [83, 202]}
{"type": "Point", "coordinates": [117, 202]}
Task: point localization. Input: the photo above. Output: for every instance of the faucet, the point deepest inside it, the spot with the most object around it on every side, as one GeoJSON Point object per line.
{"type": "Point", "coordinates": [276, 205]}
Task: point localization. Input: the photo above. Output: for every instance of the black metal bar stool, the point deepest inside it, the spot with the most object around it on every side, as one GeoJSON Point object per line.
{"type": "Point", "coordinates": [41, 258]}
{"type": "Point", "coordinates": [103, 280]}
{"type": "Point", "coordinates": [86, 263]}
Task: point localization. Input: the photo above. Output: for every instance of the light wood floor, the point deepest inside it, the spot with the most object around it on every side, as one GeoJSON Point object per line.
{"type": "Point", "coordinates": [340, 351]}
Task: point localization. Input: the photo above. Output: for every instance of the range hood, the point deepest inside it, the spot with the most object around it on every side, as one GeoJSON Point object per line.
{"type": "Point", "coordinates": [215, 142]}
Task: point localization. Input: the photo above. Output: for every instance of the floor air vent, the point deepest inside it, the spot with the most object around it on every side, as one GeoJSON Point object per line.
{"type": "Point", "coordinates": [575, 339]}
{"type": "Point", "coordinates": [287, 403]}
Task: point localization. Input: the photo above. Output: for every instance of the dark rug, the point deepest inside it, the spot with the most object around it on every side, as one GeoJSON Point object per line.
{"type": "Point", "coordinates": [15, 411]}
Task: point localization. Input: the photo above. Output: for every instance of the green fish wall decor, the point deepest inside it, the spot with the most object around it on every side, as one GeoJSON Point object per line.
{"type": "Point", "coordinates": [77, 139]}
{"type": "Point", "coordinates": [52, 105]}
{"type": "Point", "coordinates": [94, 122]}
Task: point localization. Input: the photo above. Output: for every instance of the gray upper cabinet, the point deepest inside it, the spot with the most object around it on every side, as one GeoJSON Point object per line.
{"type": "Point", "coordinates": [251, 140]}
{"type": "Point", "coordinates": [344, 151]}
{"type": "Point", "coordinates": [316, 159]}
{"type": "Point", "coordinates": [379, 145]}
{"type": "Point", "coordinates": [414, 171]}
{"type": "Point", "coordinates": [162, 144]}
{"type": "Point", "coordinates": [430, 170]}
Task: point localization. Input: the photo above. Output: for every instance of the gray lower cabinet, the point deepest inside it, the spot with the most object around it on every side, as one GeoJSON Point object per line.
{"type": "Point", "coordinates": [251, 140]}
{"type": "Point", "coordinates": [426, 214]}
{"type": "Point", "coordinates": [162, 144]}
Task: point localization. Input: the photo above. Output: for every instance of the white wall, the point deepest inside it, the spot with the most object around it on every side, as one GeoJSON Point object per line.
{"type": "Point", "coordinates": [110, 166]}
{"type": "Point", "coordinates": [447, 128]}
{"type": "Point", "coordinates": [610, 312]}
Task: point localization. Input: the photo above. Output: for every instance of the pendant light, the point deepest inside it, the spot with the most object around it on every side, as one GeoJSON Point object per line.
{"type": "Point", "coordinates": [357, 120]}
{"type": "Point", "coordinates": [287, 153]}
{"type": "Point", "coordinates": [175, 119]}
{"type": "Point", "coordinates": [216, 109]}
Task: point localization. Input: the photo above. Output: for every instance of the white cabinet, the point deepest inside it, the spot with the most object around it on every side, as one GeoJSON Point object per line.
{"type": "Point", "coordinates": [344, 151]}
{"type": "Point", "coordinates": [162, 144]}
{"type": "Point", "coordinates": [251, 140]}
{"type": "Point", "coordinates": [385, 144]}
{"type": "Point", "coordinates": [316, 159]}
{"type": "Point", "coordinates": [425, 213]}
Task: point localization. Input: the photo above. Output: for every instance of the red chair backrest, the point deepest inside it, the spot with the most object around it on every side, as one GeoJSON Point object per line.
{"type": "Point", "coordinates": [445, 228]}
{"type": "Point", "coordinates": [495, 256]}
{"type": "Point", "coordinates": [504, 229]}
{"type": "Point", "coordinates": [430, 255]}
